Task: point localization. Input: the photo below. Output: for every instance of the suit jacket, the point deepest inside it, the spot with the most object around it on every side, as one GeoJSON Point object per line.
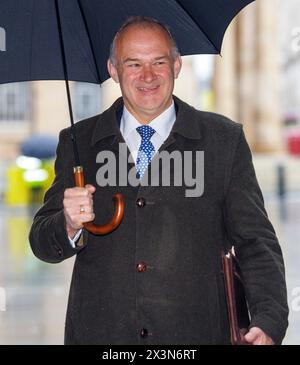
{"type": "Point", "coordinates": [178, 297]}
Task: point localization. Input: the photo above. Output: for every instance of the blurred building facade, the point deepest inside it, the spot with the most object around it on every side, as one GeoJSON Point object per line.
{"type": "Point", "coordinates": [248, 76]}
{"type": "Point", "coordinates": [289, 33]}
{"type": "Point", "coordinates": [41, 108]}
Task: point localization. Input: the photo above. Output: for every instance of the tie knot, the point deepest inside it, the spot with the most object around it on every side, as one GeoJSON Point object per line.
{"type": "Point", "coordinates": [146, 132]}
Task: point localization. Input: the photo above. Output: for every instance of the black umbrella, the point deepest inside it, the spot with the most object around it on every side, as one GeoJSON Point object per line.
{"type": "Point", "coordinates": [33, 49]}
{"type": "Point", "coordinates": [70, 39]}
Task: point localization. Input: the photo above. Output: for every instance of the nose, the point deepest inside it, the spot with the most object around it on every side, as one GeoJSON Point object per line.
{"type": "Point", "coordinates": [148, 74]}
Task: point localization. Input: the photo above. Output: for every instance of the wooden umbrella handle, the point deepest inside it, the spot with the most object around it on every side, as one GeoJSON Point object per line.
{"type": "Point", "coordinates": [119, 208]}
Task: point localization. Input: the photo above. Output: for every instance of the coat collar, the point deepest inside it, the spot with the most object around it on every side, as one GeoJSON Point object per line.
{"type": "Point", "coordinates": [186, 124]}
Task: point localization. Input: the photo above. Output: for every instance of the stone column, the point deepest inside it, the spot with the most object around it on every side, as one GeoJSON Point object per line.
{"type": "Point", "coordinates": [50, 107]}
{"type": "Point", "coordinates": [247, 77]}
{"type": "Point", "coordinates": [225, 78]}
{"type": "Point", "coordinates": [267, 96]}
{"type": "Point", "coordinates": [247, 58]}
{"type": "Point", "coordinates": [186, 86]}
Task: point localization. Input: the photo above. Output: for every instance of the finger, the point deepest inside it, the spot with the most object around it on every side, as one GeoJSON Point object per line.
{"type": "Point", "coordinates": [75, 203]}
{"type": "Point", "coordinates": [90, 188]}
{"type": "Point", "coordinates": [73, 211]}
{"type": "Point", "coordinates": [84, 209]}
{"type": "Point", "coordinates": [252, 336]}
{"type": "Point", "coordinates": [72, 193]}
{"type": "Point", "coordinates": [86, 217]}
{"type": "Point", "coordinates": [256, 337]}
{"type": "Point", "coordinates": [83, 201]}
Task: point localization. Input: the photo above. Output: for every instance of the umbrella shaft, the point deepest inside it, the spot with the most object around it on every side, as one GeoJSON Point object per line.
{"type": "Point", "coordinates": [65, 69]}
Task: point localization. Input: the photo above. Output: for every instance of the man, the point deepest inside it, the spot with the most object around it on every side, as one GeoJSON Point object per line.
{"type": "Point", "coordinates": [156, 279]}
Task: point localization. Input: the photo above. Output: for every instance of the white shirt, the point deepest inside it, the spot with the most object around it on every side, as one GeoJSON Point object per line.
{"type": "Point", "coordinates": [162, 126]}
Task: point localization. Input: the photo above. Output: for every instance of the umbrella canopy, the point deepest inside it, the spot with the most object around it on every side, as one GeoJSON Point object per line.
{"type": "Point", "coordinates": [33, 49]}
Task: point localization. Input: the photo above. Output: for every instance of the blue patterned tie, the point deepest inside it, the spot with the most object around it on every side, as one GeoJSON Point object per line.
{"type": "Point", "coordinates": [146, 150]}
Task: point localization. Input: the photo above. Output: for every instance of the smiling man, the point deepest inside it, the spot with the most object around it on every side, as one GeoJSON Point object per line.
{"type": "Point", "coordinates": [157, 278]}
{"type": "Point", "coordinates": [145, 61]}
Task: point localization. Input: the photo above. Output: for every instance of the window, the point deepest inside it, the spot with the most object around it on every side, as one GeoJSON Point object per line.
{"type": "Point", "coordinates": [86, 100]}
{"type": "Point", "coordinates": [15, 102]}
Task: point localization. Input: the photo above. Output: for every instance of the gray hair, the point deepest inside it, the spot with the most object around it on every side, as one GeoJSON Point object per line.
{"type": "Point", "coordinates": [146, 22]}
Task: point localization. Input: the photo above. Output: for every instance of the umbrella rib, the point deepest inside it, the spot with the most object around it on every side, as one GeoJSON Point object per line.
{"type": "Point", "coordinates": [89, 37]}
{"type": "Point", "coordinates": [195, 22]}
{"type": "Point", "coordinates": [31, 42]}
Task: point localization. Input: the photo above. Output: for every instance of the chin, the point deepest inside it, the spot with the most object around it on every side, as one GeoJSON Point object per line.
{"type": "Point", "coordinates": [151, 103]}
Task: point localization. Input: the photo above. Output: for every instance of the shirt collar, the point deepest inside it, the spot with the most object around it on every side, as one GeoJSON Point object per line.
{"type": "Point", "coordinates": [189, 122]}
{"type": "Point", "coordinates": [162, 124]}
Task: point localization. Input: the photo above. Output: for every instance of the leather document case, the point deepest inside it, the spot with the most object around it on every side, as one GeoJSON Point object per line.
{"type": "Point", "coordinates": [238, 313]}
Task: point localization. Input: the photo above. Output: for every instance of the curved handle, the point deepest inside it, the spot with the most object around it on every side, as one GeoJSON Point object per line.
{"type": "Point", "coordinates": [119, 208]}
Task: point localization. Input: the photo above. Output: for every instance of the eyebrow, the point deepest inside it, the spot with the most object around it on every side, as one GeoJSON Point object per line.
{"type": "Point", "coordinates": [139, 60]}
{"type": "Point", "coordinates": [131, 60]}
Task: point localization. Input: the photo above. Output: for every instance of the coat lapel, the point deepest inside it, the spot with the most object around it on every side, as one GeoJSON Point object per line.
{"type": "Point", "coordinates": [184, 136]}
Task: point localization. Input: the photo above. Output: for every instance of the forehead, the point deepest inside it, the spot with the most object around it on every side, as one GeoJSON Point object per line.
{"type": "Point", "coordinates": [143, 38]}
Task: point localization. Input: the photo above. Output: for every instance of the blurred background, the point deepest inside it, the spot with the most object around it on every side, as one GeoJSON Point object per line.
{"type": "Point", "coordinates": [256, 82]}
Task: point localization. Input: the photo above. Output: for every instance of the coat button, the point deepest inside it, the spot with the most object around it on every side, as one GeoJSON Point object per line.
{"type": "Point", "coordinates": [141, 267]}
{"type": "Point", "coordinates": [141, 202]}
{"type": "Point", "coordinates": [58, 250]}
{"type": "Point", "coordinates": [144, 332]}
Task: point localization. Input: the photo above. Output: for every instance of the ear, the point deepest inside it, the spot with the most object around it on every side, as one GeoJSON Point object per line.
{"type": "Point", "coordinates": [112, 70]}
{"type": "Point", "coordinates": [177, 66]}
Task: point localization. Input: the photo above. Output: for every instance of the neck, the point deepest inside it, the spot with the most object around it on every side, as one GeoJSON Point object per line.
{"type": "Point", "coordinates": [144, 118]}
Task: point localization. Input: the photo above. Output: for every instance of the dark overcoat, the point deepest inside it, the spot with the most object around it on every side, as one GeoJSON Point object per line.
{"type": "Point", "coordinates": [178, 296]}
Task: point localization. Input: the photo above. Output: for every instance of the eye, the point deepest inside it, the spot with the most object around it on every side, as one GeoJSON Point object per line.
{"type": "Point", "coordinates": [133, 65]}
{"type": "Point", "coordinates": [159, 63]}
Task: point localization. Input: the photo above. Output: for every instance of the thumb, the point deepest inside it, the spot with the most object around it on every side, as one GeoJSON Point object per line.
{"type": "Point", "coordinates": [90, 188]}
{"type": "Point", "coordinates": [252, 335]}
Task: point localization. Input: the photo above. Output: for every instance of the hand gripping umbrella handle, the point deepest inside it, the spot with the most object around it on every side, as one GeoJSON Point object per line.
{"type": "Point", "coordinates": [119, 208]}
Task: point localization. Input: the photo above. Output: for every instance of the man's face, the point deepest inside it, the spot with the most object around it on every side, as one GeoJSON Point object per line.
{"type": "Point", "coordinates": [145, 70]}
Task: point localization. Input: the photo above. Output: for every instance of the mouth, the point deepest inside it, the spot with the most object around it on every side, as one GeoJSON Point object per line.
{"type": "Point", "coordinates": [148, 89]}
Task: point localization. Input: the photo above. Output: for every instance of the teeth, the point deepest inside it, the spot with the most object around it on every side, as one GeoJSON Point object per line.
{"type": "Point", "coordinates": [147, 89]}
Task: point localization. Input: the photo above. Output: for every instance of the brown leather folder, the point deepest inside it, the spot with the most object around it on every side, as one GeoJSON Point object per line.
{"type": "Point", "coordinates": [238, 313]}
